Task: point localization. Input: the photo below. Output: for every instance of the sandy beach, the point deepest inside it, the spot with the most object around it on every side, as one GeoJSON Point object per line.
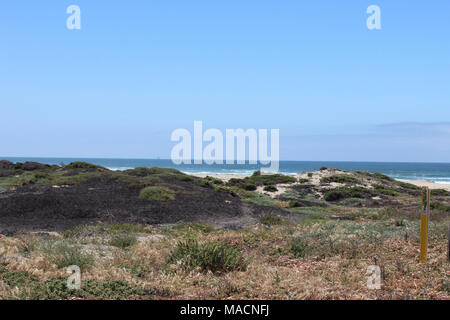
{"type": "Point", "coordinates": [429, 184]}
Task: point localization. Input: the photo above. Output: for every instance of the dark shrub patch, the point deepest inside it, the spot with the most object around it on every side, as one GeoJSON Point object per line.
{"type": "Point", "coordinates": [250, 187]}
{"type": "Point", "coordinates": [439, 207]}
{"type": "Point", "coordinates": [82, 165]}
{"type": "Point", "coordinates": [344, 193]}
{"type": "Point", "coordinates": [271, 220]}
{"type": "Point", "coordinates": [339, 178]}
{"type": "Point", "coordinates": [270, 188]}
{"type": "Point", "coordinates": [294, 204]}
{"type": "Point", "coordinates": [440, 192]}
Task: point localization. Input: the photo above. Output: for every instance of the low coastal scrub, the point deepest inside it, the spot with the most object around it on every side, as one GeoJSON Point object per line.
{"type": "Point", "coordinates": [270, 188]}
{"type": "Point", "coordinates": [440, 192]}
{"type": "Point", "coordinates": [83, 165]}
{"type": "Point", "coordinates": [440, 207]}
{"type": "Point", "coordinates": [271, 220]}
{"type": "Point", "coordinates": [339, 178]}
{"type": "Point", "coordinates": [123, 240]}
{"type": "Point", "coordinates": [157, 194]}
{"type": "Point", "coordinates": [63, 254]}
{"type": "Point", "coordinates": [29, 287]}
{"type": "Point", "coordinates": [345, 193]}
{"type": "Point", "coordinates": [258, 179]}
{"type": "Point", "coordinates": [386, 190]}
{"type": "Point", "coordinates": [348, 239]}
{"type": "Point", "coordinates": [216, 256]}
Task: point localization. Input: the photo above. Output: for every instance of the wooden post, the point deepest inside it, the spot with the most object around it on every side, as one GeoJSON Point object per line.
{"type": "Point", "coordinates": [448, 245]}
{"type": "Point", "coordinates": [424, 223]}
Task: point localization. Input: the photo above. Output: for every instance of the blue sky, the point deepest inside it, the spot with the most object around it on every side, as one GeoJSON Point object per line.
{"type": "Point", "coordinates": [137, 70]}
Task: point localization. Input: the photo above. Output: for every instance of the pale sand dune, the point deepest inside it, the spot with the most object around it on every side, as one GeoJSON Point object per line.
{"type": "Point", "coordinates": [318, 175]}
{"type": "Point", "coordinates": [429, 184]}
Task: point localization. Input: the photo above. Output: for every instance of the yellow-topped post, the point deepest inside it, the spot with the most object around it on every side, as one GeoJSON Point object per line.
{"type": "Point", "coordinates": [424, 217]}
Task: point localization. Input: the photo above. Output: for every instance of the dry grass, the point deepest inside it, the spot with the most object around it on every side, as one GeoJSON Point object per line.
{"type": "Point", "coordinates": [334, 267]}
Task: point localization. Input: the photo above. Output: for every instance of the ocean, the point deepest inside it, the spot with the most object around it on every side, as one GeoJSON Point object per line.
{"type": "Point", "coordinates": [437, 172]}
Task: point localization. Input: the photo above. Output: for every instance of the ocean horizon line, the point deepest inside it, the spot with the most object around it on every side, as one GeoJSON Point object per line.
{"type": "Point", "coordinates": [223, 160]}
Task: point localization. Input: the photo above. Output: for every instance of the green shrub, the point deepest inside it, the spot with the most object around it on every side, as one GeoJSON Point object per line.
{"type": "Point", "coordinates": [144, 171]}
{"type": "Point", "coordinates": [294, 204]}
{"type": "Point", "coordinates": [382, 189]}
{"type": "Point", "coordinates": [189, 227]}
{"type": "Point", "coordinates": [82, 165]}
{"type": "Point", "coordinates": [310, 174]}
{"type": "Point", "coordinates": [259, 180]}
{"type": "Point", "coordinates": [439, 207]}
{"type": "Point", "coordinates": [323, 168]}
{"type": "Point", "coordinates": [41, 175]}
{"type": "Point", "coordinates": [440, 192]}
{"type": "Point", "coordinates": [339, 178]}
{"type": "Point", "coordinates": [303, 180]}
{"type": "Point", "coordinates": [270, 220]}
{"type": "Point", "coordinates": [63, 255]}
{"type": "Point", "coordinates": [344, 193]}
{"type": "Point", "coordinates": [300, 247]}
{"type": "Point", "coordinates": [250, 187]}
{"type": "Point", "coordinates": [215, 256]}
{"type": "Point", "coordinates": [183, 177]}
{"type": "Point", "coordinates": [205, 183]}
{"type": "Point", "coordinates": [123, 240]}
{"type": "Point", "coordinates": [157, 194]}
{"type": "Point", "coordinates": [229, 190]}
{"type": "Point", "coordinates": [214, 180]}
{"type": "Point", "coordinates": [270, 188]}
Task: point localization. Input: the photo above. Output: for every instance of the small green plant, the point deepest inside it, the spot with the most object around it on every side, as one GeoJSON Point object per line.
{"type": "Point", "coordinates": [214, 256]}
{"type": "Point", "coordinates": [439, 207]}
{"type": "Point", "coordinates": [29, 287]}
{"type": "Point", "coordinates": [270, 220]}
{"type": "Point", "coordinates": [40, 175]}
{"type": "Point", "coordinates": [382, 189]}
{"type": "Point", "coordinates": [250, 187]}
{"type": "Point", "coordinates": [323, 168]}
{"type": "Point", "coordinates": [339, 178]}
{"type": "Point", "coordinates": [440, 192]}
{"type": "Point", "coordinates": [300, 247]}
{"type": "Point", "coordinates": [190, 227]}
{"type": "Point", "coordinates": [63, 254]}
{"type": "Point", "coordinates": [294, 204]}
{"type": "Point", "coordinates": [123, 240]}
{"type": "Point", "coordinates": [345, 193]}
{"type": "Point", "coordinates": [270, 188]}
{"type": "Point", "coordinates": [303, 180]}
{"type": "Point", "coordinates": [157, 194]}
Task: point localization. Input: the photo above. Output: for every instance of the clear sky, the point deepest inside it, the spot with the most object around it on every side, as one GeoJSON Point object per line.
{"type": "Point", "coordinates": [137, 70]}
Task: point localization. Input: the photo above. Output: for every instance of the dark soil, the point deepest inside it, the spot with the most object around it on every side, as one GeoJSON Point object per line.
{"type": "Point", "coordinates": [36, 207]}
